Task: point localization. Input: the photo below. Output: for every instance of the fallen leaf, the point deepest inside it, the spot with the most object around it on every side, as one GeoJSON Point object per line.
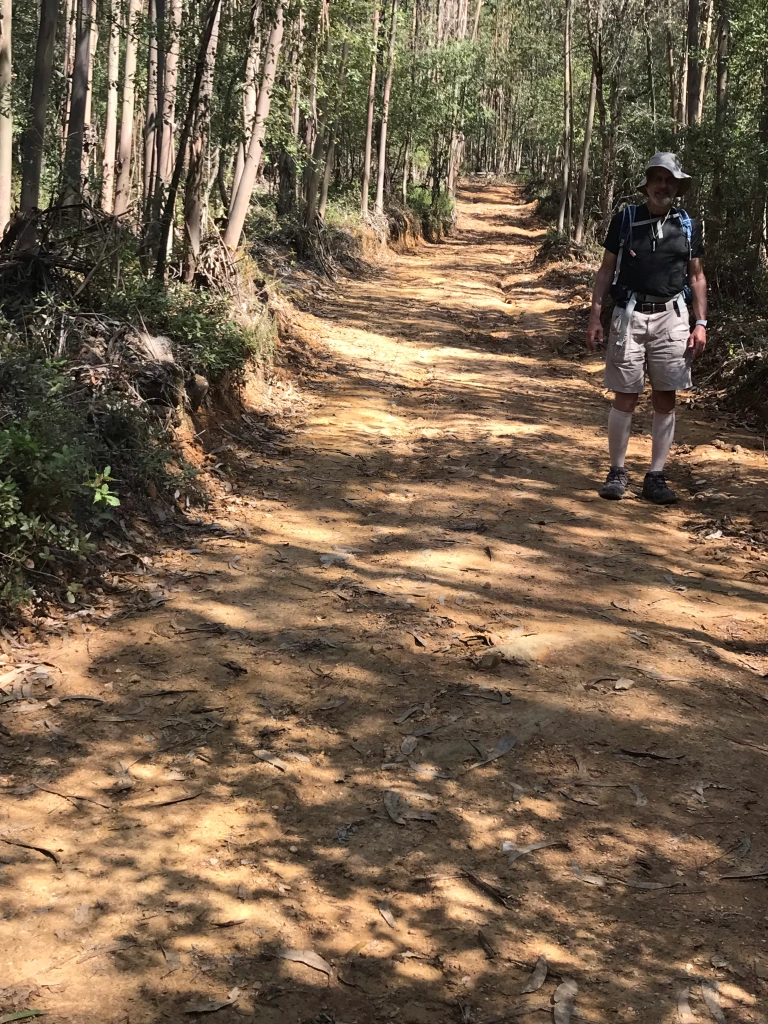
{"type": "Point", "coordinates": [385, 910]}
{"type": "Point", "coordinates": [407, 713]}
{"type": "Point", "coordinates": [335, 558]}
{"type": "Point", "coordinates": [82, 913]}
{"type": "Point", "coordinates": [586, 876]}
{"type": "Point", "coordinates": [169, 803]}
{"type": "Point", "coordinates": [709, 993]}
{"type": "Point", "coordinates": [757, 873]}
{"type": "Point", "coordinates": [306, 957]}
{"type": "Point", "coordinates": [684, 1014]}
{"type": "Point", "coordinates": [624, 684]}
{"type": "Point", "coordinates": [655, 755]}
{"type": "Point", "coordinates": [538, 975]}
{"type": "Point", "coordinates": [496, 695]}
{"type": "Point", "coordinates": [642, 638]}
{"type": "Point", "coordinates": [564, 998]}
{"type": "Point", "coordinates": [578, 799]}
{"type": "Point", "coordinates": [212, 1006]}
{"type": "Point", "coordinates": [19, 1015]}
{"type": "Point", "coordinates": [641, 799]}
{"type": "Point", "coordinates": [487, 888]}
{"type": "Point", "coordinates": [505, 743]}
{"type": "Point", "coordinates": [331, 705]}
{"type": "Point", "coordinates": [392, 806]}
{"type": "Point", "coordinates": [487, 549]}
{"type": "Point", "coordinates": [419, 641]}
{"type": "Point", "coordinates": [488, 948]}
{"type": "Point", "coordinates": [433, 773]}
{"type": "Point", "coordinates": [29, 846]}
{"type": "Point", "coordinates": [270, 758]}
{"type": "Point", "coordinates": [622, 607]}
{"type": "Point", "coordinates": [419, 815]}
{"type": "Point", "coordinates": [235, 668]}
{"type": "Point", "coordinates": [516, 851]}
{"type": "Point", "coordinates": [408, 745]}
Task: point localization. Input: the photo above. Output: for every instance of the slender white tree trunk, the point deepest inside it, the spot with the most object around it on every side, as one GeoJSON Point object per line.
{"type": "Point", "coordinates": [123, 188]}
{"type": "Point", "coordinates": [379, 205]}
{"type": "Point", "coordinates": [241, 200]}
{"type": "Point", "coordinates": [369, 124]}
{"type": "Point", "coordinates": [6, 115]}
{"type": "Point", "coordinates": [110, 125]}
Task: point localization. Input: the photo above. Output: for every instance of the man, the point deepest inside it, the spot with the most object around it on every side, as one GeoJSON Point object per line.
{"type": "Point", "coordinates": [652, 252]}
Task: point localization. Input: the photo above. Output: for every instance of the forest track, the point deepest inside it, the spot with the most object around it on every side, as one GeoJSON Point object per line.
{"type": "Point", "coordinates": [417, 569]}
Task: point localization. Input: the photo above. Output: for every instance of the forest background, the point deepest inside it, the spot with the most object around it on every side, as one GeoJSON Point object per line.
{"type": "Point", "coordinates": [146, 145]}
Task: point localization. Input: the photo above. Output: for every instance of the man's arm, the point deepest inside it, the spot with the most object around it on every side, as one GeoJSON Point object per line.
{"type": "Point", "coordinates": [698, 282]}
{"type": "Point", "coordinates": [603, 280]}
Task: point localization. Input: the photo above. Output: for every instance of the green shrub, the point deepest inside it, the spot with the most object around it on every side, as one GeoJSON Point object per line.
{"type": "Point", "coordinates": [210, 336]}
{"type": "Point", "coordinates": [436, 212]}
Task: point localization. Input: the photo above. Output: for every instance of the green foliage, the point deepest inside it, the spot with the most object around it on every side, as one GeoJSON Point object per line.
{"type": "Point", "coordinates": [436, 212]}
{"type": "Point", "coordinates": [210, 336]}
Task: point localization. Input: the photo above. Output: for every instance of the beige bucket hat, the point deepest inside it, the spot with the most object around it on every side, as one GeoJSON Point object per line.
{"type": "Point", "coordinates": [670, 163]}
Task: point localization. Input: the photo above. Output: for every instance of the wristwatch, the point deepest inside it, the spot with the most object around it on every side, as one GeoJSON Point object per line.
{"type": "Point", "coordinates": [701, 323]}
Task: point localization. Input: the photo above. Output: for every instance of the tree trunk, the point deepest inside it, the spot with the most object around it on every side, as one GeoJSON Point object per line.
{"type": "Point", "coordinates": [250, 90]}
{"type": "Point", "coordinates": [123, 189]}
{"type": "Point", "coordinates": [6, 112]}
{"type": "Point", "coordinates": [70, 32]}
{"type": "Point", "coordinates": [73, 158]}
{"type": "Point", "coordinates": [694, 61]}
{"type": "Point", "coordinates": [251, 82]}
{"type": "Point", "coordinates": [88, 134]}
{"type": "Point", "coordinates": [723, 54]}
{"type": "Point", "coordinates": [584, 173]}
{"type": "Point", "coordinates": [150, 122]}
{"type": "Point", "coordinates": [241, 200]}
{"type": "Point", "coordinates": [369, 123]}
{"type": "Point", "coordinates": [682, 89]}
{"type": "Point", "coordinates": [379, 204]}
{"type": "Point", "coordinates": [110, 126]}
{"type": "Point", "coordinates": [567, 128]}
{"type": "Point", "coordinates": [705, 45]}
{"type": "Point", "coordinates": [210, 24]}
{"type": "Point", "coordinates": [331, 150]}
{"type": "Point", "coordinates": [671, 75]}
{"type": "Point", "coordinates": [194, 191]}
{"type": "Point", "coordinates": [476, 23]}
{"type": "Point", "coordinates": [715, 219]}
{"type": "Point", "coordinates": [167, 126]}
{"type": "Point", "coordinates": [32, 143]}
{"type": "Point", "coordinates": [649, 69]}
{"type": "Point", "coordinates": [761, 211]}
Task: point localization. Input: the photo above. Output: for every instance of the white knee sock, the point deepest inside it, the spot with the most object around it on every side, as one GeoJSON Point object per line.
{"type": "Point", "coordinates": [619, 429]}
{"type": "Point", "coordinates": [663, 434]}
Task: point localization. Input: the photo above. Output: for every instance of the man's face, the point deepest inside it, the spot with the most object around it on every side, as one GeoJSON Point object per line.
{"type": "Point", "coordinates": [661, 187]}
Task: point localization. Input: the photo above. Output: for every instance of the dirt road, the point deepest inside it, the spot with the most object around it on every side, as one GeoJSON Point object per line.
{"type": "Point", "coordinates": [415, 636]}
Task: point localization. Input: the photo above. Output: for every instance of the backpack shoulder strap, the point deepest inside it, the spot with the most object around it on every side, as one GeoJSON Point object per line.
{"type": "Point", "coordinates": [686, 224]}
{"type": "Point", "coordinates": [628, 215]}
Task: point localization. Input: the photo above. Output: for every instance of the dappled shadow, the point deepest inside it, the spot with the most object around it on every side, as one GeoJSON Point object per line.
{"type": "Point", "coordinates": [427, 541]}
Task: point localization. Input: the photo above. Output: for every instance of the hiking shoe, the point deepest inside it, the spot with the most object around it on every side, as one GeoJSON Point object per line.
{"type": "Point", "coordinates": [655, 489]}
{"type": "Point", "coordinates": [615, 483]}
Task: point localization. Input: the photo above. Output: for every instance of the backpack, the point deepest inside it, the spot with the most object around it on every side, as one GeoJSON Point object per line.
{"type": "Point", "coordinates": [628, 221]}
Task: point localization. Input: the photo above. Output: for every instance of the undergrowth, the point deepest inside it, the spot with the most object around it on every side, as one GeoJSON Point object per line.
{"type": "Point", "coordinates": [87, 417]}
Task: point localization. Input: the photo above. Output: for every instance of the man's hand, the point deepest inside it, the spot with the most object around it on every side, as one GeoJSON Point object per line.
{"type": "Point", "coordinates": [594, 334]}
{"type": "Point", "coordinates": [697, 340]}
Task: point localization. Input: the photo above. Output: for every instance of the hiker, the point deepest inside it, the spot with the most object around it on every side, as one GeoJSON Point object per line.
{"type": "Point", "coordinates": [652, 268]}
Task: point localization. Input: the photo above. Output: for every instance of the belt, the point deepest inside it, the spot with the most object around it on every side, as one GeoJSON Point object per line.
{"type": "Point", "coordinates": [651, 307]}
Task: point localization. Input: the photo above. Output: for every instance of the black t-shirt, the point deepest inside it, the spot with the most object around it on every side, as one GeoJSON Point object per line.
{"type": "Point", "coordinates": [663, 272]}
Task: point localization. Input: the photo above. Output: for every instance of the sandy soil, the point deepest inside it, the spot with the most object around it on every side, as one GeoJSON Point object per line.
{"type": "Point", "coordinates": [288, 749]}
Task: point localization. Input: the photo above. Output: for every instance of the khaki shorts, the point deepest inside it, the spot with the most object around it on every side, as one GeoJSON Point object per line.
{"type": "Point", "coordinates": [654, 343]}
